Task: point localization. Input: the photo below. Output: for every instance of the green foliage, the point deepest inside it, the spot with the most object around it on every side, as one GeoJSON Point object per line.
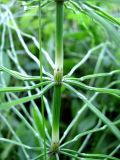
{"type": "Point", "coordinates": [89, 91]}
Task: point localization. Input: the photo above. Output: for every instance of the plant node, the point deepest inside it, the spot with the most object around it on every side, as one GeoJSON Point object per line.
{"type": "Point", "coordinates": [54, 147]}
{"type": "Point", "coordinates": [58, 74]}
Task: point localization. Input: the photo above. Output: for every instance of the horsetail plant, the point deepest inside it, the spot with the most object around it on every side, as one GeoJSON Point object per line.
{"type": "Point", "coordinates": [48, 142]}
{"type": "Point", "coordinates": [58, 75]}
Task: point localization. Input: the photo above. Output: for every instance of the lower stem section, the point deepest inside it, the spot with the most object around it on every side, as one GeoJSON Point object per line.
{"type": "Point", "coordinates": [56, 117]}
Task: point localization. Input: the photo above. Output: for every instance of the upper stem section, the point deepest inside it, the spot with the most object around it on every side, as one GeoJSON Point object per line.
{"type": "Point", "coordinates": [58, 72]}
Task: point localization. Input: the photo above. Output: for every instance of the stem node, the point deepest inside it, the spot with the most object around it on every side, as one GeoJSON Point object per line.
{"type": "Point", "coordinates": [58, 74]}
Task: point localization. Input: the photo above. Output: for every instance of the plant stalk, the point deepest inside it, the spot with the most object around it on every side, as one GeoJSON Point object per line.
{"type": "Point", "coordinates": [58, 74]}
{"type": "Point", "coordinates": [56, 118]}
{"type": "Point", "coordinates": [41, 77]}
{"type": "Point", "coordinates": [58, 71]}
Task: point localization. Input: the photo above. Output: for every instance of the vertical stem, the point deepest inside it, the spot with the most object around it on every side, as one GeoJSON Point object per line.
{"type": "Point", "coordinates": [41, 79]}
{"type": "Point", "coordinates": [58, 73]}
{"type": "Point", "coordinates": [56, 117]}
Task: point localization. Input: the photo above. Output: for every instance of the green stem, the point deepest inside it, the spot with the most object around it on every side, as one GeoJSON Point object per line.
{"type": "Point", "coordinates": [58, 73]}
{"type": "Point", "coordinates": [56, 117]}
{"type": "Point", "coordinates": [41, 76]}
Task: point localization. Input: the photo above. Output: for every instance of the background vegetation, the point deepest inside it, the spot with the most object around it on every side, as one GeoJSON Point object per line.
{"type": "Point", "coordinates": [19, 47]}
